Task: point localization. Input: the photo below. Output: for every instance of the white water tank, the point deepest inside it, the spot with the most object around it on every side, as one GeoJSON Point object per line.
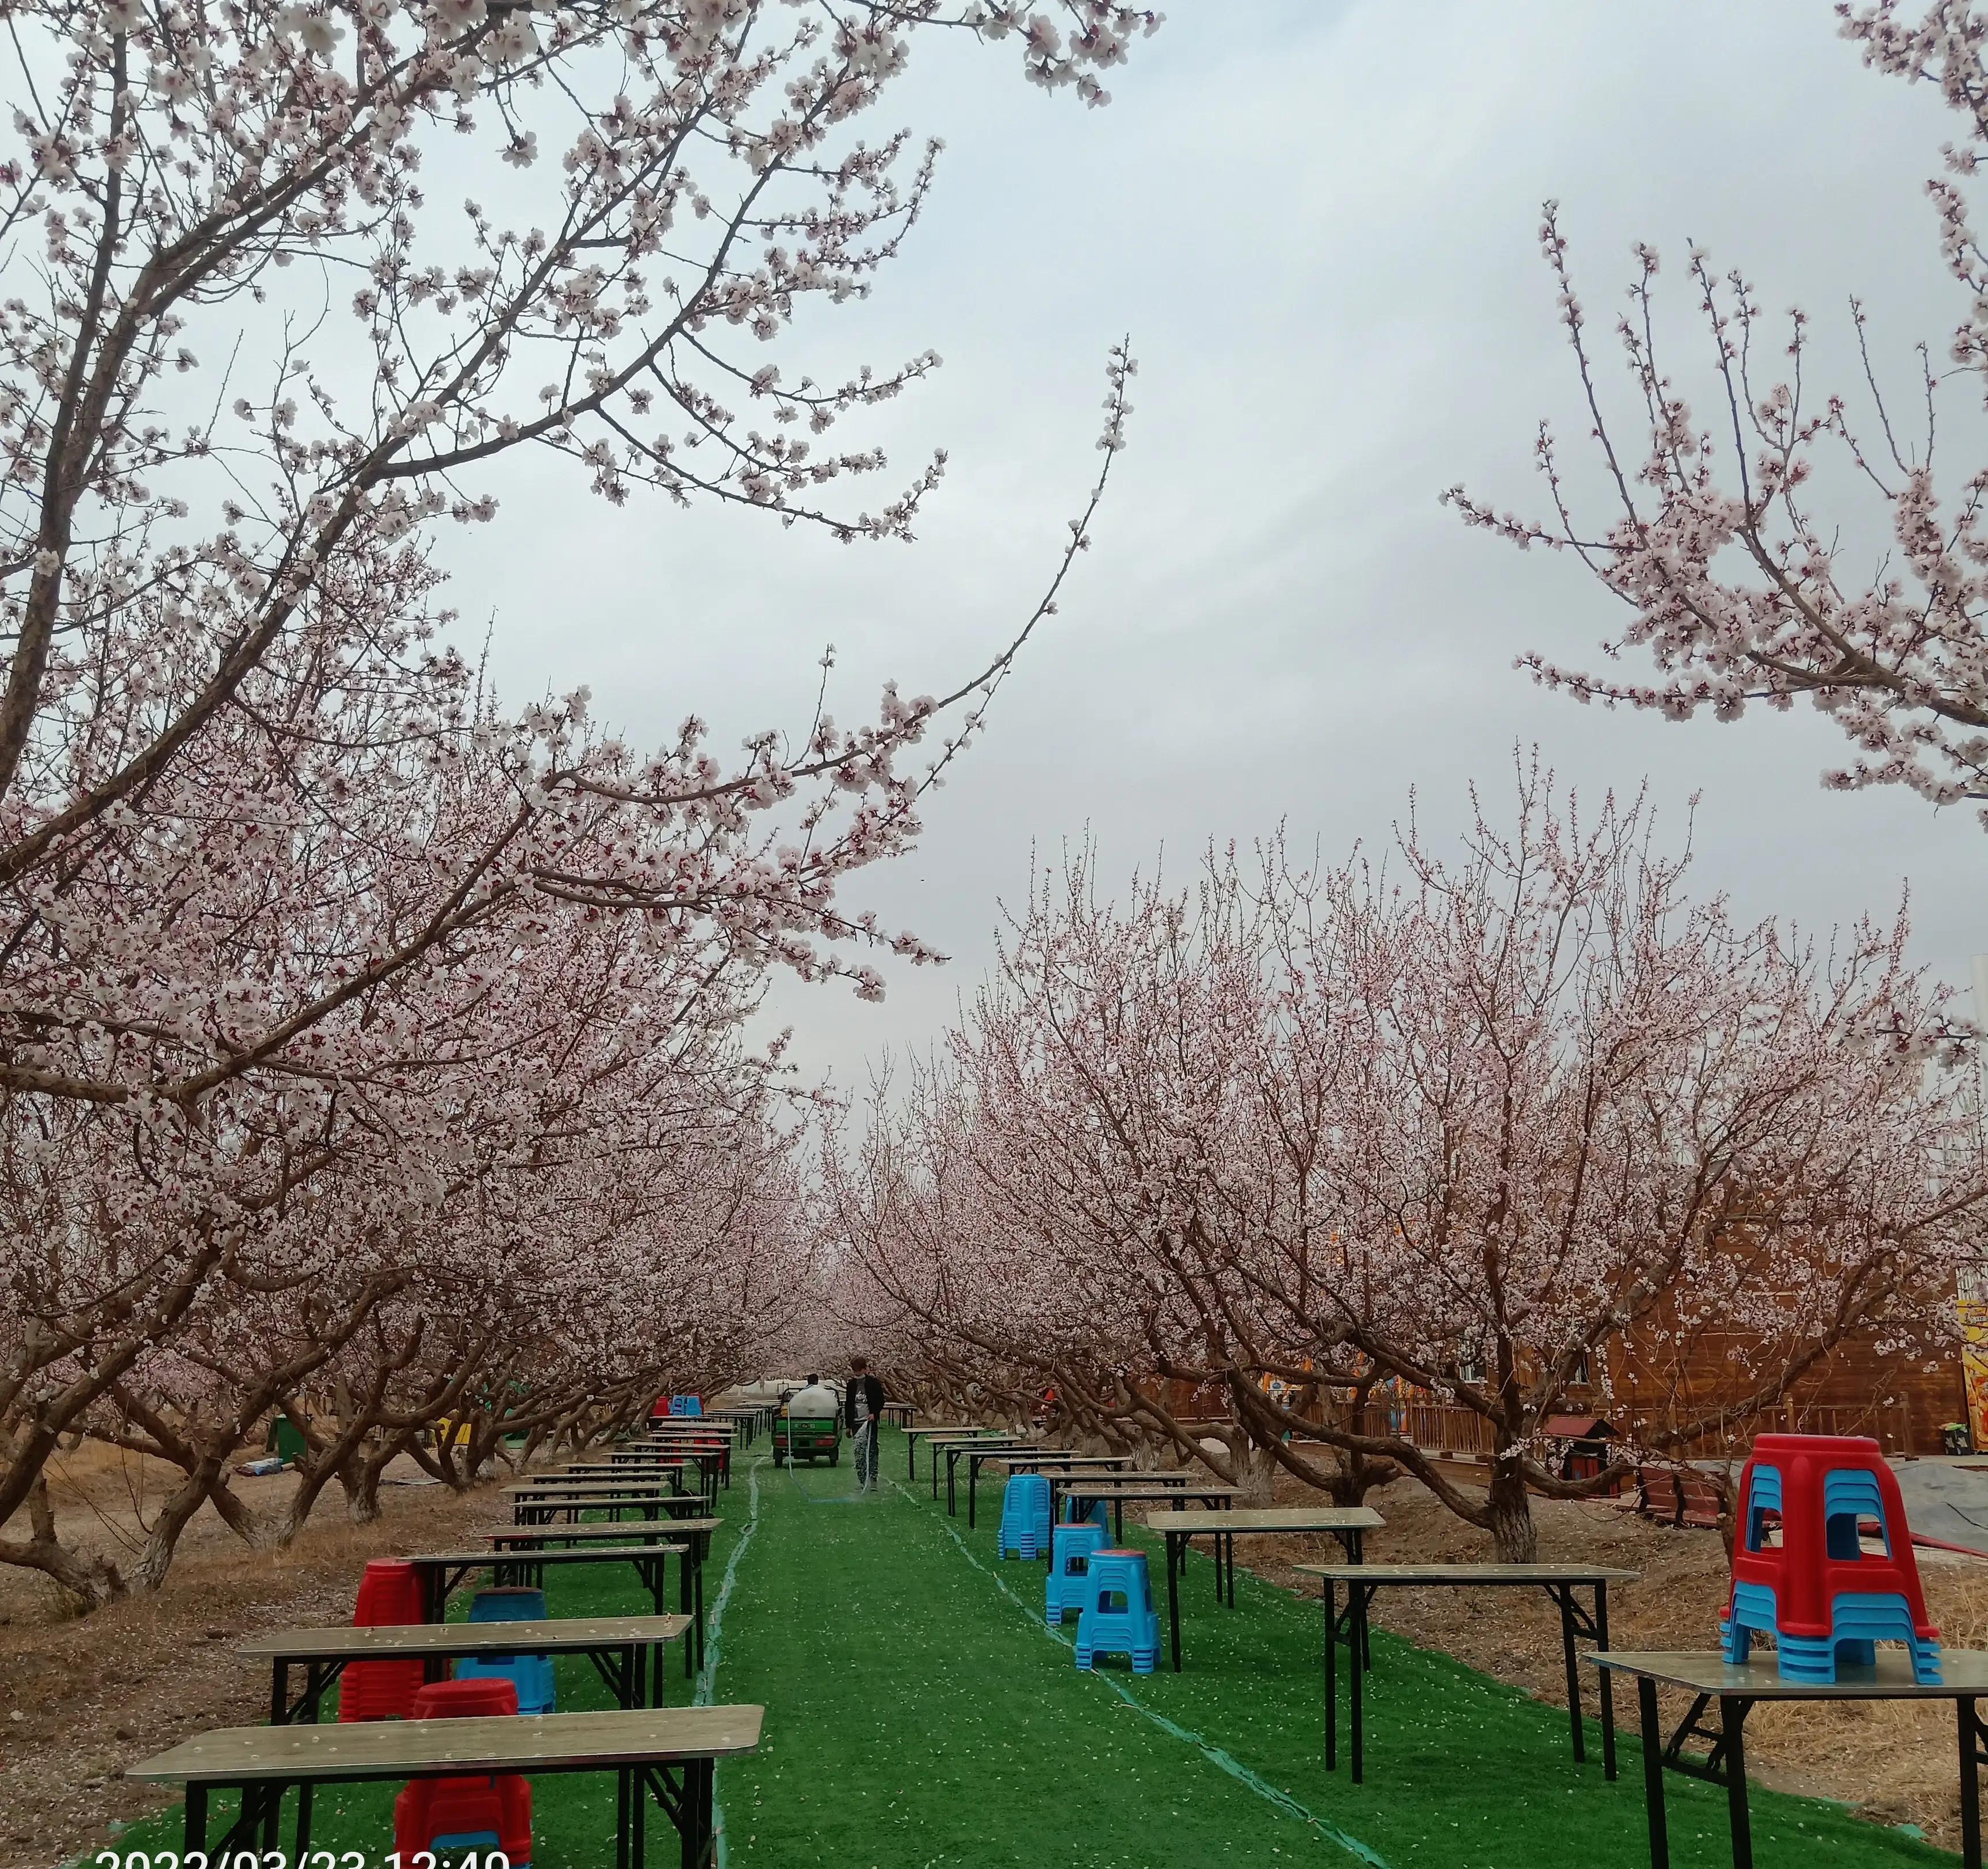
{"type": "Point", "coordinates": [819, 1403]}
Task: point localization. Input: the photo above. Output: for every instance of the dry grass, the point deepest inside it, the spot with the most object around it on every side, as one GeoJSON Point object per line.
{"type": "Point", "coordinates": [1895, 1761]}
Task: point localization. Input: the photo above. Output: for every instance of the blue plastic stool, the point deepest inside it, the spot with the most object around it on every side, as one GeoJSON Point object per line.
{"type": "Point", "coordinates": [532, 1674]}
{"type": "Point", "coordinates": [1118, 1616]}
{"type": "Point", "coordinates": [1025, 1517]}
{"type": "Point", "coordinates": [687, 1404]}
{"type": "Point", "coordinates": [1070, 1552]}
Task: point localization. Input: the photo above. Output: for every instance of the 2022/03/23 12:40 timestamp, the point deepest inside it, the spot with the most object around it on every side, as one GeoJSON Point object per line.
{"type": "Point", "coordinates": [311, 1859]}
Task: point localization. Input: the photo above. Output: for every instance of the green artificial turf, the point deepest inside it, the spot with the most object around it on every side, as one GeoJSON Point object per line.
{"type": "Point", "coordinates": [920, 1715]}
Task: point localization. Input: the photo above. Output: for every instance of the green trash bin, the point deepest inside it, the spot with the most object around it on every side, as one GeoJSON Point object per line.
{"type": "Point", "coordinates": [284, 1439]}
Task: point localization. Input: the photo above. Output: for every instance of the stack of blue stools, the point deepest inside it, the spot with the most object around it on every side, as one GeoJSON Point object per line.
{"type": "Point", "coordinates": [1070, 1552]}
{"type": "Point", "coordinates": [1024, 1517]}
{"type": "Point", "coordinates": [532, 1674]}
{"type": "Point", "coordinates": [1118, 1616]}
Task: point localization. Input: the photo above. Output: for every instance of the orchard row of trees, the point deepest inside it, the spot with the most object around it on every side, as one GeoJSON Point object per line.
{"type": "Point", "coordinates": [369, 1054]}
{"type": "Point", "coordinates": [1531, 1130]}
{"type": "Point", "coordinates": [1523, 1130]}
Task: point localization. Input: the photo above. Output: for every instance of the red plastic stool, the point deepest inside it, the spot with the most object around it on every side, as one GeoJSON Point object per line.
{"type": "Point", "coordinates": [1818, 1593]}
{"type": "Point", "coordinates": [389, 1595]}
{"type": "Point", "coordinates": [439, 1814]}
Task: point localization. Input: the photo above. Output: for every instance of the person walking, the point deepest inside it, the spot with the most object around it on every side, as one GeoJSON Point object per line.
{"type": "Point", "coordinates": [862, 1411]}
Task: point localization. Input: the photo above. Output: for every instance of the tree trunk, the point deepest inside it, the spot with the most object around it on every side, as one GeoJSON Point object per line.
{"type": "Point", "coordinates": [251, 1527]}
{"type": "Point", "coordinates": [157, 1558]}
{"type": "Point", "coordinates": [311, 1482]}
{"type": "Point", "coordinates": [361, 1478]}
{"type": "Point", "coordinates": [88, 1582]}
{"type": "Point", "coordinates": [1358, 1474]}
{"type": "Point", "coordinates": [1255, 1474]}
{"type": "Point", "coordinates": [1508, 1514]}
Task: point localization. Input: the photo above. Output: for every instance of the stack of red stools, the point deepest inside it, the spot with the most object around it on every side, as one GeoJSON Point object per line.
{"type": "Point", "coordinates": [390, 1594]}
{"type": "Point", "coordinates": [438, 1814]}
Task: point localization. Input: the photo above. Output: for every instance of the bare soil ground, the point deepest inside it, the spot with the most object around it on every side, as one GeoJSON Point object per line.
{"type": "Point", "coordinates": [1895, 1762]}
{"type": "Point", "coordinates": [83, 1698]}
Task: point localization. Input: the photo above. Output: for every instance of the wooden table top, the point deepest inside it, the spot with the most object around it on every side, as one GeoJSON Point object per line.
{"type": "Point", "coordinates": [959, 1434]}
{"type": "Point", "coordinates": [567, 1501]}
{"type": "Point", "coordinates": [1173, 1478]}
{"type": "Point", "coordinates": [1065, 1463]}
{"type": "Point", "coordinates": [651, 1528]}
{"type": "Point", "coordinates": [592, 1501]}
{"type": "Point", "coordinates": [647, 1529]}
{"type": "Point", "coordinates": [1470, 1573]}
{"type": "Point", "coordinates": [597, 1554]}
{"type": "Point", "coordinates": [1963, 1676]}
{"type": "Point", "coordinates": [1277, 1518]}
{"type": "Point", "coordinates": [1133, 1493]}
{"type": "Point", "coordinates": [553, 1483]}
{"type": "Point", "coordinates": [642, 1456]}
{"type": "Point", "coordinates": [563, 1635]}
{"type": "Point", "coordinates": [409, 1749]}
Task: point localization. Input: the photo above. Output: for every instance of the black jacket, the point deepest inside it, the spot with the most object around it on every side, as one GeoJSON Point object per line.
{"type": "Point", "coordinates": [872, 1388]}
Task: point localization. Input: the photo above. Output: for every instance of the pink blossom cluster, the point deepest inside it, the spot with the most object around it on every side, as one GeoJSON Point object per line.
{"type": "Point", "coordinates": [1738, 587]}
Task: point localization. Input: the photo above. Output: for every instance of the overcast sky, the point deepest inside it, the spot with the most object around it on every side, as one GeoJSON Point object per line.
{"type": "Point", "coordinates": [1318, 224]}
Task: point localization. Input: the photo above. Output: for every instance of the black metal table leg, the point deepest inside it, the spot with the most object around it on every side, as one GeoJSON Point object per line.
{"type": "Point", "coordinates": [1733, 1712]}
{"type": "Point", "coordinates": [317, 1677]}
{"type": "Point", "coordinates": [279, 1715]}
{"type": "Point", "coordinates": [1118, 1521]}
{"type": "Point", "coordinates": [1605, 1687]}
{"type": "Point", "coordinates": [1357, 1648]}
{"type": "Point", "coordinates": [624, 1791]}
{"type": "Point", "coordinates": [638, 1813]}
{"type": "Point", "coordinates": [194, 1839]}
{"type": "Point", "coordinates": [911, 1457]}
{"type": "Point", "coordinates": [973, 1495]}
{"type": "Point", "coordinates": [696, 1585]}
{"type": "Point", "coordinates": [684, 1567]}
{"type": "Point", "coordinates": [1653, 1774]}
{"type": "Point", "coordinates": [1175, 1554]}
{"type": "Point", "coordinates": [1969, 1720]}
{"type": "Point", "coordinates": [1331, 1675]}
{"type": "Point", "coordinates": [699, 1845]}
{"type": "Point", "coordinates": [1565, 1594]}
